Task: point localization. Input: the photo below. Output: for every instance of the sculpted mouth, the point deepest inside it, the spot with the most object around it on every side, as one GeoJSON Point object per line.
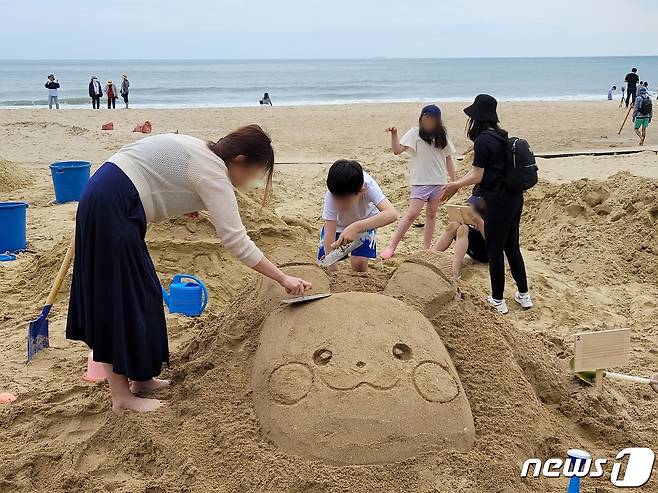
{"type": "Point", "coordinates": [362, 383]}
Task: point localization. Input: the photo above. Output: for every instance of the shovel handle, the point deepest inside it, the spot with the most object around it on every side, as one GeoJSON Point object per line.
{"type": "Point", "coordinates": [63, 270]}
{"type": "Point", "coordinates": [626, 378]}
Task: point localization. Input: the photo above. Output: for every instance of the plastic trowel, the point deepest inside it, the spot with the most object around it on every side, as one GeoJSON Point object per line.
{"type": "Point", "coordinates": [339, 253]}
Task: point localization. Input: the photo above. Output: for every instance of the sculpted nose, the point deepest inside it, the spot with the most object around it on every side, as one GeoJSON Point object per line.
{"type": "Point", "coordinates": [360, 364]}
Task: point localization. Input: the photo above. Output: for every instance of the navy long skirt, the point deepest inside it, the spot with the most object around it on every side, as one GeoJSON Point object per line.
{"type": "Point", "coordinates": [116, 301]}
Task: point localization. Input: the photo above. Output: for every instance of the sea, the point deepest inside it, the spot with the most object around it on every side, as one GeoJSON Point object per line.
{"type": "Point", "coordinates": [226, 83]}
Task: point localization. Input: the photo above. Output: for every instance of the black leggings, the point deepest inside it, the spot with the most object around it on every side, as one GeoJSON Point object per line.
{"type": "Point", "coordinates": [502, 235]}
{"type": "Point", "coordinates": [111, 103]}
{"type": "Point", "coordinates": [96, 102]}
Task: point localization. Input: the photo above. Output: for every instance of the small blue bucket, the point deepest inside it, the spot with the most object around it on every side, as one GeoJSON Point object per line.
{"type": "Point", "coordinates": [12, 224]}
{"type": "Point", "coordinates": [69, 179]}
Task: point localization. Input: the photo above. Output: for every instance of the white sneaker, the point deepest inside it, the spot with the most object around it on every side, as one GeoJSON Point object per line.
{"type": "Point", "coordinates": [524, 300]}
{"type": "Point", "coordinates": [499, 305]}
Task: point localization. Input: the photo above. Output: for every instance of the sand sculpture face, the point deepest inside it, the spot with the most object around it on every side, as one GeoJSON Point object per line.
{"type": "Point", "coordinates": [358, 378]}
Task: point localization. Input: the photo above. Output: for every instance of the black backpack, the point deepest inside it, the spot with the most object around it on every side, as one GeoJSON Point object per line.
{"type": "Point", "coordinates": [521, 171]}
{"type": "Point", "coordinates": [646, 106]}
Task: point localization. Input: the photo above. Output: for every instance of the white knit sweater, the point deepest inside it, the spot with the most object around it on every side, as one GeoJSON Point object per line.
{"type": "Point", "coordinates": [177, 174]}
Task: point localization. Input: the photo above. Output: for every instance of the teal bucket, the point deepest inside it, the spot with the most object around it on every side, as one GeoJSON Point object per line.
{"type": "Point", "coordinates": [69, 179]}
{"type": "Point", "coordinates": [13, 226]}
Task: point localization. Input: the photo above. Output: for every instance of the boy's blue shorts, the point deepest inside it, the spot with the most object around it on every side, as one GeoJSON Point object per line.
{"type": "Point", "coordinates": [368, 249]}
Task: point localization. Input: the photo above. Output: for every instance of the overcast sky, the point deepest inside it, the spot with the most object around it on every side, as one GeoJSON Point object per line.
{"type": "Point", "coordinates": [120, 29]}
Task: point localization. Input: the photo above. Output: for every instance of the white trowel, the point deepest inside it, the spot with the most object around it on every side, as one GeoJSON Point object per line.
{"type": "Point", "coordinates": [339, 253]}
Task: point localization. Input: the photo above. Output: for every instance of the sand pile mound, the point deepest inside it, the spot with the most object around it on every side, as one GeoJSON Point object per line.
{"type": "Point", "coordinates": [13, 176]}
{"type": "Point", "coordinates": [35, 278]}
{"type": "Point", "coordinates": [211, 438]}
{"type": "Point", "coordinates": [191, 246]}
{"type": "Point", "coordinates": [599, 231]}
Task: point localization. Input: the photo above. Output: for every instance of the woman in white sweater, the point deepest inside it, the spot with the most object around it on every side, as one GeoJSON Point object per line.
{"type": "Point", "coordinates": [116, 303]}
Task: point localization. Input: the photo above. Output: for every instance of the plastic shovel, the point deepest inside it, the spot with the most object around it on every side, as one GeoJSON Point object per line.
{"type": "Point", "coordinates": [37, 332]}
{"type": "Point", "coordinates": [589, 377]}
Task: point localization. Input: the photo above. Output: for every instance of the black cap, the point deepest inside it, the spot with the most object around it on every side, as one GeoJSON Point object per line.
{"type": "Point", "coordinates": [483, 109]}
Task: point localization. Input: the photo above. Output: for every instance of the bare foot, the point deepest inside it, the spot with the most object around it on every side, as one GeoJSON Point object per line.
{"type": "Point", "coordinates": [137, 404]}
{"type": "Point", "coordinates": [148, 385]}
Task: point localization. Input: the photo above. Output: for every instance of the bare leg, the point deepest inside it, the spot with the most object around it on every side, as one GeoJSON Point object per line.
{"type": "Point", "coordinates": [461, 245]}
{"type": "Point", "coordinates": [359, 264]}
{"type": "Point", "coordinates": [415, 206]}
{"type": "Point", "coordinates": [639, 134]}
{"type": "Point", "coordinates": [446, 239]}
{"type": "Point", "coordinates": [430, 223]}
{"type": "Point", "coordinates": [644, 136]}
{"type": "Point", "coordinates": [123, 398]}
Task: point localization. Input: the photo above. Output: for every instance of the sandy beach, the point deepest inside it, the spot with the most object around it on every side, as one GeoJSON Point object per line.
{"type": "Point", "coordinates": [589, 236]}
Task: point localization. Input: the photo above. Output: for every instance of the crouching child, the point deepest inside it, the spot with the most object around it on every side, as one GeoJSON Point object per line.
{"type": "Point", "coordinates": [354, 207]}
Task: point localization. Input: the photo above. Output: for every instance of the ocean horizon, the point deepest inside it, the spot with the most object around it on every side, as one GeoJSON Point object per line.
{"type": "Point", "coordinates": [201, 83]}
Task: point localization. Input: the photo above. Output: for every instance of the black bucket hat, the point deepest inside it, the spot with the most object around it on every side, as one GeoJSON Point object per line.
{"type": "Point", "coordinates": [483, 109]}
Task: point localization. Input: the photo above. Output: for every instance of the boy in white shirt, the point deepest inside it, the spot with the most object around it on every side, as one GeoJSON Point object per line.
{"type": "Point", "coordinates": [354, 207]}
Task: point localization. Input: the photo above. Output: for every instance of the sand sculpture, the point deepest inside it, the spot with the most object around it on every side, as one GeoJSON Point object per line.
{"type": "Point", "coordinates": [331, 384]}
{"type": "Point", "coordinates": [424, 281]}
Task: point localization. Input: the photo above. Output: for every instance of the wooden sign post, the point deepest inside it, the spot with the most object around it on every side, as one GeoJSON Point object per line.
{"type": "Point", "coordinates": [596, 351]}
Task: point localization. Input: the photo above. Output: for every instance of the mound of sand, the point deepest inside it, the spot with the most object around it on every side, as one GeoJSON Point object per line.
{"type": "Point", "coordinates": [13, 176]}
{"type": "Point", "coordinates": [601, 231]}
{"type": "Point", "coordinates": [357, 378]}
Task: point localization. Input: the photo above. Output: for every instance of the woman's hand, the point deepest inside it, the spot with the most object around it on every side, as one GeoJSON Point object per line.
{"type": "Point", "coordinates": [295, 285]}
{"type": "Point", "coordinates": [448, 191]}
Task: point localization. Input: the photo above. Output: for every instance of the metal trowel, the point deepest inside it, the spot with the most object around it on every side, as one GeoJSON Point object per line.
{"type": "Point", "coordinates": [339, 253]}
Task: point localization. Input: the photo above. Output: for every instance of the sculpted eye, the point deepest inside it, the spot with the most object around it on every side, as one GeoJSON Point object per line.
{"type": "Point", "coordinates": [402, 351]}
{"type": "Point", "coordinates": [322, 356]}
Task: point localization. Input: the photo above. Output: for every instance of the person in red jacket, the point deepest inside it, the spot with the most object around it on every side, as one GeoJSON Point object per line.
{"type": "Point", "coordinates": [112, 93]}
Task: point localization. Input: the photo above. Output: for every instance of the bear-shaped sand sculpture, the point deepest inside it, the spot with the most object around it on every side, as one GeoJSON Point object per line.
{"type": "Point", "coordinates": [358, 378]}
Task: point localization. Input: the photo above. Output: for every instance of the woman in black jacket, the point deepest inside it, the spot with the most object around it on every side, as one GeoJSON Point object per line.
{"type": "Point", "coordinates": [504, 206]}
{"type": "Point", "coordinates": [95, 93]}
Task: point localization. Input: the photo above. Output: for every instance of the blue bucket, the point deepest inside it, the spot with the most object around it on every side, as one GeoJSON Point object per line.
{"type": "Point", "coordinates": [12, 225]}
{"type": "Point", "coordinates": [69, 179]}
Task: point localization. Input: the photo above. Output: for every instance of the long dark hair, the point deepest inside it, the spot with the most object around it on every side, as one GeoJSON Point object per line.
{"type": "Point", "coordinates": [475, 127]}
{"type": "Point", "coordinates": [440, 136]}
{"type": "Point", "coordinates": [254, 144]}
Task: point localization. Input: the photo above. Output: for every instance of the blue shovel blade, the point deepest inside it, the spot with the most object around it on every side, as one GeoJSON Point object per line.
{"type": "Point", "coordinates": [37, 333]}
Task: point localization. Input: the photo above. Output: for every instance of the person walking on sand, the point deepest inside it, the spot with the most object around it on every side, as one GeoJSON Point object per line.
{"type": "Point", "coordinates": [116, 304]}
{"type": "Point", "coordinates": [125, 89]}
{"type": "Point", "coordinates": [95, 93]}
{"type": "Point", "coordinates": [431, 167]}
{"type": "Point", "coordinates": [632, 79]}
{"type": "Point", "coordinates": [504, 205]}
{"type": "Point", "coordinates": [643, 113]}
{"type": "Point", "coordinates": [111, 93]}
{"type": "Point", "coordinates": [53, 86]}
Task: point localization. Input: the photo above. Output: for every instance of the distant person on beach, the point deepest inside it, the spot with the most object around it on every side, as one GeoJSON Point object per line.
{"type": "Point", "coordinates": [469, 239]}
{"type": "Point", "coordinates": [643, 113]}
{"type": "Point", "coordinates": [52, 85]}
{"type": "Point", "coordinates": [631, 80]}
{"type": "Point", "coordinates": [115, 304]}
{"type": "Point", "coordinates": [504, 205]}
{"type": "Point", "coordinates": [354, 207]}
{"type": "Point", "coordinates": [266, 100]}
{"type": "Point", "coordinates": [610, 91]}
{"type": "Point", "coordinates": [431, 168]}
{"type": "Point", "coordinates": [95, 92]}
{"type": "Point", "coordinates": [125, 89]}
{"type": "Point", "coordinates": [112, 94]}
